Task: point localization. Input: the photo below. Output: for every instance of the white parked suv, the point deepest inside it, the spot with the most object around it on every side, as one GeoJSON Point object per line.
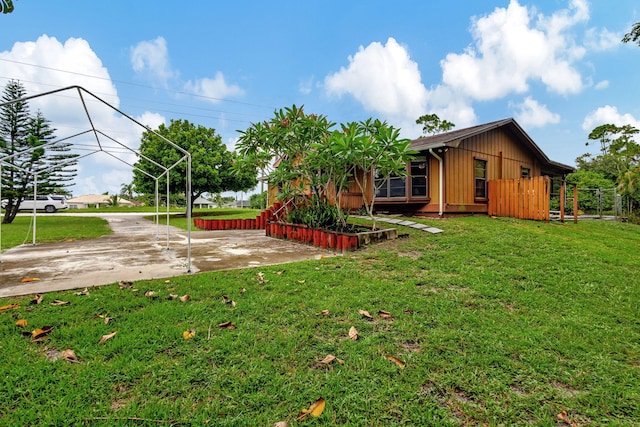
{"type": "Point", "coordinates": [49, 204]}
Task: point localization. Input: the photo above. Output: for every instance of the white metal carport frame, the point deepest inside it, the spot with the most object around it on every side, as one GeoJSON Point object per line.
{"type": "Point", "coordinates": [186, 156]}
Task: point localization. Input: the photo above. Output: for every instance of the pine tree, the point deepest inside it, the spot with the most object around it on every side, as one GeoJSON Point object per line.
{"type": "Point", "coordinates": [24, 153]}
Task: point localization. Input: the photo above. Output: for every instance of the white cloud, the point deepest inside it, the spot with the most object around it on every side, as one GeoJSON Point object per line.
{"type": "Point", "coordinates": [305, 86]}
{"type": "Point", "coordinates": [151, 58]}
{"type": "Point", "coordinates": [603, 84]}
{"type": "Point", "coordinates": [151, 120]}
{"type": "Point", "coordinates": [512, 47]}
{"type": "Point", "coordinates": [608, 115]}
{"type": "Point", "coordinates": [213, 90]}
{"type": "Point", "coordinates": [451, 106]}
{"type": "Point", "coordinates": [231, 143]}
{"type": "Point", "coordinates": [600, 40]}
{"type": "Point", "coordinates": [532, 114]}
{"type": "Point", "coordinates": [384, 79]}
{"type": "Point", "coordinates": [74, 63]}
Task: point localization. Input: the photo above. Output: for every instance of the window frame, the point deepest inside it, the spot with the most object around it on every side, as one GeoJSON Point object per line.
{"type": "Point", "coordinates": [485, 162]}
{"type": "Point", "coordinates": [522, 172]}
{"type": "Point", "coordinates": [387, 188]}
{"type": "Point", "coordinates": [424, 160]}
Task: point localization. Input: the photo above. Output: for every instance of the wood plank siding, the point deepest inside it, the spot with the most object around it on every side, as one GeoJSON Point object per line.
{"type": "Point", "coordinates": [505, 160]}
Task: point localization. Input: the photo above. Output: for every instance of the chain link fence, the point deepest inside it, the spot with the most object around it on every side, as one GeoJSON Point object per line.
{"type": "Point", "coordinates": [600, 202]}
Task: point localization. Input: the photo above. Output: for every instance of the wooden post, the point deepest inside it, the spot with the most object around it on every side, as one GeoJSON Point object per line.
{"type": "Point", "coordinates": [563, 191]}
{"type": "Point", "coordinates": [575, 203]}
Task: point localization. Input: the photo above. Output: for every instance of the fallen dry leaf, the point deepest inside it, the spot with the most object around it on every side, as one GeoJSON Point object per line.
{"type": "Point", "coordinates": [69, 355]}
{"type": "Point", "coordinates": [40, 334]}
{"type": "Point", "coordinates": [36, 299]}
{"type": "Point", "coordinates": [85, 292]}
{"type": "Point", "coordinates": [325, 312]}
{"type": "Point", "coordinates": [107, 337]}
{"type": "Point", "coordinates": [227, 325]}
{"type": "Point", "coordinates": [397, 361]}
{"type": "Point", "coordinates": [58, 302]}
{"type": "Point", "coordinates": [105, 318]}
{"type": "Point", "coordinates": [384, 314]}
{"type": "Point", "coordinates": [564, 417]}
{"type": "Point", "coordinates": [261, 278]}
{"type": "Point", "coordinates": [281, 424]}
{"type": "Point", "coordinates": [353, 333]}
{"type": "Point", "coordinates": [301, 281]}
{"type": "Point", "coordinates": [185, 298]}
{"type": "Point", "coordinates": [172, 297]}
{"type": "Point", "coordinates": [9, 307]}
{"type": "Point", "coordinates": [366, 314]}
{"type": "Point", "coordinates": [187, 335]}
{"type": "Point", "coordinates": [328, 359]}
{"type": "Point", "coordinates": [225, 299]}
{"type": "Point", "coordinates": [243, 290]}
{"type": "Point", "coordinates": [124, 285]}
{"type": "Point", "coordinates": [279, 272]}
{"type": "Point", "coordinates": [167, 281]}
{"type": "Point", "coordinates": [151, 294]}
{"type": "Point", "coordinates": [315, 410]}
{"type": "Point", "coordinates": [22, 323]}
{"type": "Point", "coordinates": [29, 279]}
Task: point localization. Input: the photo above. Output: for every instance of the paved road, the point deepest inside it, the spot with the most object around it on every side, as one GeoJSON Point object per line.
{"type": "Point", "coordinates": [137, 251]}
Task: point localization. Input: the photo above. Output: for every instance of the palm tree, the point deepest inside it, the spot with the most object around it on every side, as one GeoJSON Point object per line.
{"type": "Point", "coordinates": [126, 190]}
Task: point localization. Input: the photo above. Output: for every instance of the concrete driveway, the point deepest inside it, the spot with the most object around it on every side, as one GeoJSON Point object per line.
{"type": "Point", "coordinates": [137, 250]}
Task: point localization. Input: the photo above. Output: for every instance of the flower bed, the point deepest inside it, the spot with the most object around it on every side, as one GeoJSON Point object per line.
{"type": "Point", "coordinates": [257, 223]}
{"type": "Point", "coordinates": [327, 239]}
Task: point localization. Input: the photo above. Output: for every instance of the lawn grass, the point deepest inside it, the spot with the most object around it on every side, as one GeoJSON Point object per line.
{"type": "Point", "coordinates": [52, 228]}
{"type": "Point", "coordinates": [498, 321]}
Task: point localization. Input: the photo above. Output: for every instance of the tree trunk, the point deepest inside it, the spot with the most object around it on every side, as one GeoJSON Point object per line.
{"type": "Point", "coordinates": [10, 214]}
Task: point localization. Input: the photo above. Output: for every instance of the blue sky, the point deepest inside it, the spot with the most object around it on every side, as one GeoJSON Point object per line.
{"type": "Point", "coordinates": [556, 66]}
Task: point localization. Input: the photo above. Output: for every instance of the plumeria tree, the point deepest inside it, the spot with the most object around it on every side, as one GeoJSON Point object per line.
{"type": "Point", "coordinates": [279, 147]}
{"type": "Point", "coordinates": [304, 155]}
{"type": "Point", "coordinates": [367, 149]}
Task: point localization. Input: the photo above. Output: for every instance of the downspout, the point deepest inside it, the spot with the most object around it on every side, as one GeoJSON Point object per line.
{"type": "Point", "coordinates": [441, 183]}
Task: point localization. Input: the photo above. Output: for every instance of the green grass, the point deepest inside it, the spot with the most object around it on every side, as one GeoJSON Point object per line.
{"type": "Point", "coordinates": [499, 322]}
{"type": "Point", "coordinates": [52, 229]}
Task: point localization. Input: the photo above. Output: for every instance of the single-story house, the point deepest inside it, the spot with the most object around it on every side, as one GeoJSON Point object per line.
{"type": "Point", "coordinates": [451, 170]}
{"type": "Point", "coordinates": [202, 203]}
{"type": "Point", "coordinates": [95, 200]}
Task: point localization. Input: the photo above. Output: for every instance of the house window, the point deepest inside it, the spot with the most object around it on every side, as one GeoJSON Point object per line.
{"type": "Point", "coordinates": [390, 187]}
{"type": "Point", "coordinates": [480, 173]}
{"type": "Point", "coordinates": [419, 174]}
{"type": "Point", "coordinates": [525, 172]}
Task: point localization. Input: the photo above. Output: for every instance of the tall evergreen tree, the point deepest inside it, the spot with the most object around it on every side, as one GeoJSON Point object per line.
{"type": "Point", "coordinates": [22, 146]}
{"type": "Point", "coordinates": [58, 166]}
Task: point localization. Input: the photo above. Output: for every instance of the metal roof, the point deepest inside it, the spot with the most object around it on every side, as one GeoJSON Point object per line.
{"type": "Point", "coordinates": [456, 137]}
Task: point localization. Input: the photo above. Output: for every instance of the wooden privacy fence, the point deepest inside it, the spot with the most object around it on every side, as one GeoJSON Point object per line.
{"type": "Point", "coordinates": [524, 198]}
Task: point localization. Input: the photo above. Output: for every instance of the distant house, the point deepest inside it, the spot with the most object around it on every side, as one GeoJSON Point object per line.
{"type": "Point", "coordinates": [95, 201]}
{"type": "Point", "coordinates": [202, 203]}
